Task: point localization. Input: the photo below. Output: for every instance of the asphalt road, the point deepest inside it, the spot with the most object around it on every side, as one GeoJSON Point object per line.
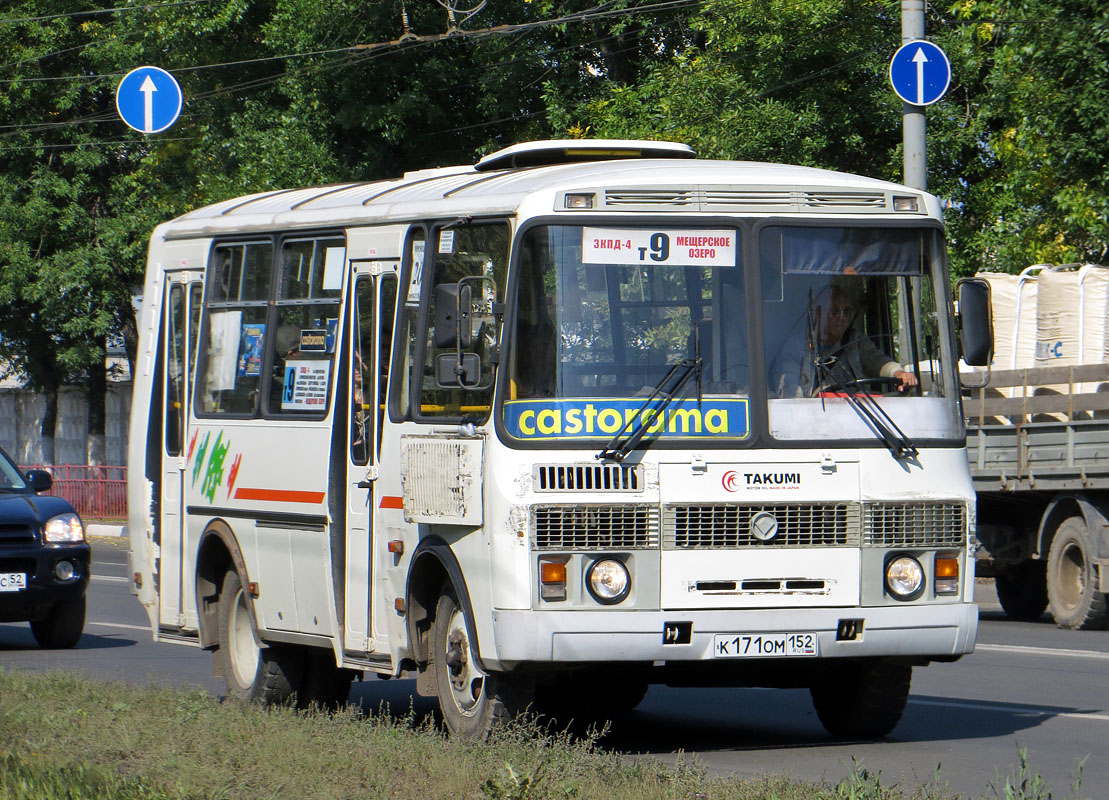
{"type": "Point", "coordinates": [1027, 685]}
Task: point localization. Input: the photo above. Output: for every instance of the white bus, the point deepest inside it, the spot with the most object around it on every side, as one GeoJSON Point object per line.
{"type": "Point", "coordinates": [540, 432]}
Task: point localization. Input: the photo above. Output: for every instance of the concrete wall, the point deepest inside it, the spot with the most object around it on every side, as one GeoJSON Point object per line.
{"type": "Point", "coordinates": [21, 413]}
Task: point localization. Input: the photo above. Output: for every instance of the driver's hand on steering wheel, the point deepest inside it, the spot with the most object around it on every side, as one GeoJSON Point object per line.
{"type": "Point", "coordinates": [907, 380]}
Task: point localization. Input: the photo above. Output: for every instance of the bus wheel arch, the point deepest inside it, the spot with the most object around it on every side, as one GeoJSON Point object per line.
{"type": "Point", "coordinates": [218, 552]}
{"type": "Point", "coordinates": [433, 567]}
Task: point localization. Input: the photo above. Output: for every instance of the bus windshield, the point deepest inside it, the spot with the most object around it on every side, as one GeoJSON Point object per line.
{"type": "Point", "coordinates": [851, 312]}
{"type": "Point", "coordinates": [603, 314]}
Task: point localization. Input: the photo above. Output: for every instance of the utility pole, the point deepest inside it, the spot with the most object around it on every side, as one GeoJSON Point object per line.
{"type": "Point", "coordinates": [916, 161]}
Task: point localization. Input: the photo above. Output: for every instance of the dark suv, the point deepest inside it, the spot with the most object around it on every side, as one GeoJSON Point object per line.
{"type": "Point", "coordinates": [44, 558]}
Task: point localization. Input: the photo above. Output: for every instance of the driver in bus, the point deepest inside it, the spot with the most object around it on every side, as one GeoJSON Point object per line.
{"type": "Point", "coordinates": [843, 353]}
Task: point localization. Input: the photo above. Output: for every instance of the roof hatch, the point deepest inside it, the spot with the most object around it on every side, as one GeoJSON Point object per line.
{"type": "Point", "coordinates": [571, 151]}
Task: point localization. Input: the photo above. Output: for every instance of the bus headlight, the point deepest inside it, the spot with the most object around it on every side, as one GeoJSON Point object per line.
{"type": "Point", "coordinates": [64, 528]}
{"type": "Point", "coordinates": [608, 581]}
{"type": "Point", "coordinates": [904, 577]}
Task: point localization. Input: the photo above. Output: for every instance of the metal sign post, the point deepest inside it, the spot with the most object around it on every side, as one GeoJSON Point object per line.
{"type": "Point", "coordinates": [916, 174]}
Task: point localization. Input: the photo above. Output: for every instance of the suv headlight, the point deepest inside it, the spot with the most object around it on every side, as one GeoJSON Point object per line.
{"type": "Point", "coordinates": [64, 528]}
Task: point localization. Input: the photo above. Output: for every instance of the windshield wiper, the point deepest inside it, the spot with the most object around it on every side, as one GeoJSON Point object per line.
{"type": "Point", "coordinates": [881, 423]}
{"type": "Point", "coordinates": [667, 390]}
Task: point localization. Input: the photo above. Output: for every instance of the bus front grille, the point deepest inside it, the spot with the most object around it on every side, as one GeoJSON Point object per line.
{"type": "Point", "coordinates": [914, 525]}
{"type": "Point", "coordinates": [729, 525]}
{"type": "Point", "coordinates": [594, 527]}
{"type": "Point", "coordinates": [587, 478]}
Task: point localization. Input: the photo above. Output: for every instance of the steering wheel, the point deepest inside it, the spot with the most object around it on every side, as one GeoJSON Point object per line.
{"type": "Point", "coordinates": [862, 383]}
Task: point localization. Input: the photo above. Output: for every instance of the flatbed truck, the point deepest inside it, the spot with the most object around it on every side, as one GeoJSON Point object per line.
{"type": "Point", "coordinates": [1040, 465]}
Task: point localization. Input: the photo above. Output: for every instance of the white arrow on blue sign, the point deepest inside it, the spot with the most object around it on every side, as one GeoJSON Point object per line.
{"type": "Point", "coordinates": [149, 99]}
{"type": "Point", "coordinates": [920, 73]}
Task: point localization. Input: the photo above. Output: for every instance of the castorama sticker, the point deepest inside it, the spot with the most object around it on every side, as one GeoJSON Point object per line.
{"type": "Point", "coordinates": [555, 420]}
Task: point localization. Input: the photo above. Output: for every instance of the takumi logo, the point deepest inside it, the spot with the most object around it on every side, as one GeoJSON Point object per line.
{"type": "Point", "coordinates": [736, 481]}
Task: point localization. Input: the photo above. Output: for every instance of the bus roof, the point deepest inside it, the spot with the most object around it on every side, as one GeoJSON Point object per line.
{"type": "Point", "coordinates": [667, 179]}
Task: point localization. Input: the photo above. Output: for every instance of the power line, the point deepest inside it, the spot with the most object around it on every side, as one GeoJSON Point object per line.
{"type": "Point", "coordinates": [143, 7]}
{"type": "Point", "coordinates": [360, 53]}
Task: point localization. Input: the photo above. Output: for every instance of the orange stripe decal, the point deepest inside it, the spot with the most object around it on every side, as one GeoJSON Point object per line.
{"type": "Point", "coordinates": [392, 502]}
{"type": "Point", "coordinates": [278, 495]}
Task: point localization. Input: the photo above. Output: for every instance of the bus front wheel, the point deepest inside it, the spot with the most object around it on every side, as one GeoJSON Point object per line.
{"type": "Point", "coordinates": [862, 699]}
{"type": "Point", "coordinates": [251, 671]}
{"type": "Point", "coordinates": [472, 701]}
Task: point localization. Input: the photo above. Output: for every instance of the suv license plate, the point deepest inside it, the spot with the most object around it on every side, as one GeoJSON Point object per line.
{"type": "Point", "coordinates": [13, 581]}
{"type": "Point", "coordinates": [764, 645]}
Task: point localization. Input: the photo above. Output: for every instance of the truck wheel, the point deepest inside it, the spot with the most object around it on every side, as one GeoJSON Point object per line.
{"type": "Point", "coordinates": [1022, 589]}
{"type": "Point", "coordinates": [62, 627]}
{"type": "Point", "coordinates": [251, 671]}
{"type": "Point", "coordinates": [1072, 587]}
{"type": "Point", "coordinates": [862, 700]}
{"type": "Point", "coordinates": [472, 702]}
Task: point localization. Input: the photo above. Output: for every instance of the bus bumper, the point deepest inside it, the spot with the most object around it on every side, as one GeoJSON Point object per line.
{"type": "Point", "coordinates": [927, 631]}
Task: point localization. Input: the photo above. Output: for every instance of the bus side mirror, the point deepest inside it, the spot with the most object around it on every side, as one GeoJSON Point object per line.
{"type": "Point", "coordinates": [454, 371]}
{"type": "Point", "coordinates": [975, 321]}
{"type": "Point", "coordinates": [453, 303]}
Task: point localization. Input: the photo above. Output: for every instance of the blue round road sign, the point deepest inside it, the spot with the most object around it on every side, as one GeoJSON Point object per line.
{"type": "Point", "coordinates": [920, 73]}
{"type": "Point", "coordinates": [149, 99]}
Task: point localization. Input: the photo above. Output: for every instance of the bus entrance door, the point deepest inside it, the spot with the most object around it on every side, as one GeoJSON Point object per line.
{"type": "Point", "coordinates": [373, 301]}
{"type": "Point", "coordinates": [183, 293]}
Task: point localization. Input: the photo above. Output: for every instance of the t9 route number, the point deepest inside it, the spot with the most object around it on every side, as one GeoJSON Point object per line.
{"type": "Point", "coordinates": [635, 246]}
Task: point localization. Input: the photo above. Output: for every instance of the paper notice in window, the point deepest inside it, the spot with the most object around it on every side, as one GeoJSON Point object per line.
{"type": "Point", "coordinates": [305, 387]}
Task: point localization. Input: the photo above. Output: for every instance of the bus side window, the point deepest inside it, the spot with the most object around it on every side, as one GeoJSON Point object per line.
{"type": "Point", "coordinates": [362, 364]}
{"type": "Point", "coordinates": [175, 371]}
{"type": "Point", "coordinates": [387, 310]}
{"type": "Point", "coordinates": [235, 324]}
{"type": "Point", "coordinates": [407, 339]}
{"type": "Point", "coordinates": [306, 330]}
{"type": "Point", "coordinates": [465, 251]}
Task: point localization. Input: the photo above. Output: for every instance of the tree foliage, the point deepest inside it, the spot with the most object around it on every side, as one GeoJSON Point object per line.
{"type": "Point", "coordinates": [291, 92]}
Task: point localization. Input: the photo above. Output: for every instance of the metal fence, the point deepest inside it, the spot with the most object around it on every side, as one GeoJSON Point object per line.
{"type": "Point", "coordinates": [97, 492]}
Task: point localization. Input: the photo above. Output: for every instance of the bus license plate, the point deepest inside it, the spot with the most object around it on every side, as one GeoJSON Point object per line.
{"type": "Point", "coordinates": [13, 581]}
{"type": "Point", "coordinates": [764, 645]}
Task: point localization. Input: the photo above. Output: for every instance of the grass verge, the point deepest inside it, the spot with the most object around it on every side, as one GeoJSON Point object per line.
{"type": "Point", "coordinates": [65, 737]}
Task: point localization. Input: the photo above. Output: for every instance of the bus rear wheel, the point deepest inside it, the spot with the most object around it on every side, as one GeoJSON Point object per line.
{"type": "Point", "coordinates": [472, 701]}
{"type": "Point", "coordinates": [1072, 581]}
{"type": "Point", "coordinates": [251, 671]}
{"type": "Point", "coordinates": [862, 699]}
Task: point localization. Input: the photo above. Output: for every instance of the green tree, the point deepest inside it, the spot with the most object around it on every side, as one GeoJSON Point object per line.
{"type": "Point", "coordinates": [1044, 123]}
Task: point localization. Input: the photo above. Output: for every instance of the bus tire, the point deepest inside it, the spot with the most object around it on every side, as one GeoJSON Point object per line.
{"type": "Point", "coordinates": [324, 685]}
{"type": "Point", "coordinates": [1022, 589]}
{"type": "Point", "coordinates": [863, 699]}
{"type": "Point", "coordinates": [62, 627]}
{"type": "Point", "coordinates": [472, 702]}
{"type": "Point", "coordinates": [1072, 581]}
{"type": "Point", "coordinates": [591, 695]}
{"type": "Point", "coordinates": [251, 671]}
